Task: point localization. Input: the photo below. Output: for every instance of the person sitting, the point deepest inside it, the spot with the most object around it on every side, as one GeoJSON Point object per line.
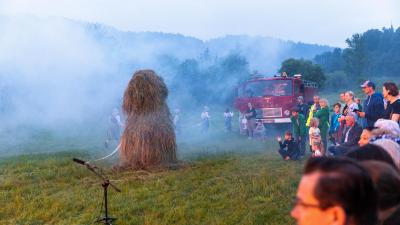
{"type": "Point", "coordinates": [335, 191]}
{"type": "Point", "coordinates": [288, 149]}
{"type": "Point", "coordinates": [387, 183]}
{"type": "Point", "coordinates": [351, 136]}
{"type": "Point", "coordinates": [388, 128]}
{"type": "Point", "coordinates": [365, 136]}
{"type": "Point", "coordinates": [391, 147]}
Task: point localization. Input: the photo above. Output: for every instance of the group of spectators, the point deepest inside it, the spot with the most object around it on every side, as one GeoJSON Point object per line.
{"type": "Point", "coordinates": [357, 180]}
{"type": "Point", "coordinates": [347, 126]}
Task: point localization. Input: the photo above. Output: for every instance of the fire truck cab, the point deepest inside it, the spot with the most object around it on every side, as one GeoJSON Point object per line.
{"type": "Point", "coordinates": [273, 97]}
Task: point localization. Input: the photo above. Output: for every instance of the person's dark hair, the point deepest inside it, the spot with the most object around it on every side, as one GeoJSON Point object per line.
{"type": "Point", "coordinates": [295, 109]}
{"type": "Point", "coordinates": [392, 88]}
{"type": "Point", "coordinates": [337, 104]}
{"type": "Point", "coordinates": [370, 128]}
{"type": "Point", "coordinates": [227, 110]}
{"type": "Point", "coordinates": [371, 152]}
{"type": "Point", "coordinates": [345, 183]}
{"type": "Point", "coordinates": [387, 183]}
{"type": "Point", "coordinates": [289, 133]}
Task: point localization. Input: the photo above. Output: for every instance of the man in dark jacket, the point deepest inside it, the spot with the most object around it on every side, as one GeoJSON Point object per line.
{"type": "Point", "coordinates": [288, 149]}
{"type": "Point", "coordinates": [373, 105]}
{"type": "Point", "coordinates": [302, 106]}
{"type": "Point", "coordinates": [351, 136]}
{"type": "Point", "coordinates": [299, 129]}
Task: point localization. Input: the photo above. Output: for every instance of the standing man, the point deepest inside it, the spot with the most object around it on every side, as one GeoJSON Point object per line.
{"type": "Point", "coordinates": [114, 128]}
{"type": "Point", "coordinates": [303, 107]}
{"type": "Point", "coordinates": [251, 115]}
{"type": "Point", "coordinates": [314, 108]}
{"type": "Point", "coordinates": [205, 120]}
{"type": "Point", "coordinates": [323, 115]}
{"type": "Point", "coordinates": [373, 106]}
{"type": "Point", "coordinates": [299, 129]}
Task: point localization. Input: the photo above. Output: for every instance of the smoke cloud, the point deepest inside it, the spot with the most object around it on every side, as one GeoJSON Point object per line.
{"type": "Point", "coordinates": [66, 76]}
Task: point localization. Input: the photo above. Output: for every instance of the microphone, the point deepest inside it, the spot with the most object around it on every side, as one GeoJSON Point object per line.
{"type": "Point", "coordinates": [80, 161]}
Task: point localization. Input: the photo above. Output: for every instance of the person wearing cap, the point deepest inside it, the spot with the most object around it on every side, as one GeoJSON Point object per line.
{"type": "Point", "coordinates": [299, 129]}
{"type": "Point", "coordinates": [373, 106]}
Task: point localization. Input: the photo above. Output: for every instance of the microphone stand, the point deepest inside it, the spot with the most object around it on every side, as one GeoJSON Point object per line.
{"type": "Point", "coordinates": [106, 182]}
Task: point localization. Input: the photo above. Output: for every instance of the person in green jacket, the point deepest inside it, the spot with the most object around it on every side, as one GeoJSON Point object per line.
{"type": "Point", "coordinates": [323, 115]}
{"type": "Point", "coordinates": [299, 129]}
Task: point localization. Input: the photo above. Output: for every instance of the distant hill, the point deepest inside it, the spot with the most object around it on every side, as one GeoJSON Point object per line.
{"type": "Point", "coordinates": [264, 54]}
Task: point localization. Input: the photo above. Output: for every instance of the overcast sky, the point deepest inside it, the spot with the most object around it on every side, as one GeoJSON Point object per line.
{"type": "Point", "coordinates": [312, 21]}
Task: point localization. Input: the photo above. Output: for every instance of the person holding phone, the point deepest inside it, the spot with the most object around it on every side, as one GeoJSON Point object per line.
{"type": "Point", "coordinates": [373, 105]}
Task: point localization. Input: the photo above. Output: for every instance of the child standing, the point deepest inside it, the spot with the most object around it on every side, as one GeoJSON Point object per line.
{"type": "Point", "coordinates": [315, 138]}
{"type": "Point", "coordinates": [335, 124]}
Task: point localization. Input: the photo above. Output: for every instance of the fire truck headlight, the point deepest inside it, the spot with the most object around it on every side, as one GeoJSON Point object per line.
{"type": "Point", "coordinates": [287, 112]}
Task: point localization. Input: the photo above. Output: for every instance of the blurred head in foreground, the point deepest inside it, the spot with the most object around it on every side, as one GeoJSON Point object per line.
{"type": "Point", "coordinates": [387, 184]}
{"type": "Point", "coordinates": [335, 191]}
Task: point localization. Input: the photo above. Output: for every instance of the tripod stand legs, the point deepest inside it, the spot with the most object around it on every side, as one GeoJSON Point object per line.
{"type": "Point", "coordinates": [106, 220]}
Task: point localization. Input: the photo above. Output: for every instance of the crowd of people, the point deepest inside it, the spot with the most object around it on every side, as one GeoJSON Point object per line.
{"type": "Point", "coordinates": [354, 179]}
{"type": "Point", "coordinates": [348, 125]}
{"type": "Point", "coordinates": [353, 174]}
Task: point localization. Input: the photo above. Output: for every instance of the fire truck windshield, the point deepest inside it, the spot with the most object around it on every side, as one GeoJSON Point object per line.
{"type": "Point", "coordinates": [266, 88]}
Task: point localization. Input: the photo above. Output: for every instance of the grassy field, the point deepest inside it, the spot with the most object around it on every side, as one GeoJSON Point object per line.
{"type": "Point", "coordinates": [243, 182]}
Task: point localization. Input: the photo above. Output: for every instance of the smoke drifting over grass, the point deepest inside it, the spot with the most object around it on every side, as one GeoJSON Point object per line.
{"type": "Point", "coordinates": [65, 76]}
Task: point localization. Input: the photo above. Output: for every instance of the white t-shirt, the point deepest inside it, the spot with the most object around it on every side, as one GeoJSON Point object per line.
{"type": "Point", "coordinates": [228, 114]}
{"type": "Point", "coordinates": [350, 109]}
{"type": "Point", "coordinates": [314, 131]}
{"type": "Point", "coordinates": [204, 115]}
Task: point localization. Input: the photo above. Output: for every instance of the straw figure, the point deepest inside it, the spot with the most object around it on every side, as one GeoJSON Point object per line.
{"type": "Point", "coordinates": [148, 140]}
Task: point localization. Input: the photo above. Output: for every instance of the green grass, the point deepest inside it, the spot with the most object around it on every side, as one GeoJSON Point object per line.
{"type": "Point", "coordinates": [216, 187]}
{"type": "Point", "coordinates": [226, 179]}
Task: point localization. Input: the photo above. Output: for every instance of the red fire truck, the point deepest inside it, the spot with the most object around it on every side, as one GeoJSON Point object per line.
{"type": "Point", "coordinates": [273, 97]}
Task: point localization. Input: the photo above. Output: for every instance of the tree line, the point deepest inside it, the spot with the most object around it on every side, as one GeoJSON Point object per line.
{"type": "Point", "coordinates": [370, 55]}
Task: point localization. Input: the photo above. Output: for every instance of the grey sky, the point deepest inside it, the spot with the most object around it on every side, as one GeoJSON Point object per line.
{"type": "Point", "coordinates": [312, 21]}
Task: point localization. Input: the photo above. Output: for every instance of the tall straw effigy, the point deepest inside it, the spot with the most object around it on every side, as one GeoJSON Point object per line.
{"type": "Point", "coordinates": [149, 138]}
